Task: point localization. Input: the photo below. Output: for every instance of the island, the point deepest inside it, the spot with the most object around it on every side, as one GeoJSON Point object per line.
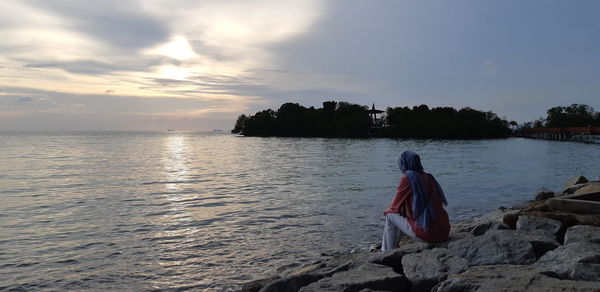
{"type": "Point", "coordinates": [347, 120]}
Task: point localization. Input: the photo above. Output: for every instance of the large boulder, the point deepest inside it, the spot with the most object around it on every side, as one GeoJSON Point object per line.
{"type": "Point", "coordinates": [372, 276]}
{"type": "Point", "coordinates": [393, 258]}
{"type": "Point", "coordinates": [510, 278]}
{"type": "Point", "coordinates": [576, 261]}
{"type": "Point", "coordinates": [292, 281]}
{"type": "Point", "coordinates": [478, 226]}
{"type": "Point", "coordinates": [507, 247]}
{"type": "Point", "coordinates": [429, 267]}
{"type": "Point", "coordinates": [543, 194]}
{"type": "Point", "coordinates": [575, 180]}
{"type": "Point", "coordinates": [572, 189]}
{"type": "Point", "coordinates": [482, 228]}
{"type": "Point", "coordinates": [539, 224]}
{"type": "Point", "coordinates": [510, 218]}
{"type": "Point", "coordinates": [582, 233]}
{"type": "Point", "coordinates": [593, 187]}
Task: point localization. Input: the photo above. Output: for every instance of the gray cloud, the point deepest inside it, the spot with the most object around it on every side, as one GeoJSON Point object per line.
{"type": "Point", "coordinates": [270, 94]}
{"type": "Point", "coordinates": [121, 23]}
{"type": "Point", "coordinates": [78, 67]}
{"type": "Point", "coordinates": [24, 99]}
{"type": "Point", "coordinates": [91, 67]}
{"type": "Point", "coordinates": [99, 103]}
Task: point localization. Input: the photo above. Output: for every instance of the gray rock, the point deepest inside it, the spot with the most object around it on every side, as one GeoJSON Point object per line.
{"type": "Point", "coordinates": [291, 283]}
{"type": "Point", "coordinates": [575, 180]}
{"type": "Point", "coordinates": [582, 233]}
{"type": "Point", "coordinates": [429, 267]}
{"type": "Point", "coordinates": [542, 242]}
{"type": "Point", "coordinates": [593, 187]}
{"type": "Point", "coordinates": [510, 218]}
{"type": "Point", "coordinates": [573, 188]}
{"type": "Point", "coordinates": [479, 226]}
{"type": "Point", "coordinates": [576, 261]}
{"type": "Point", "coordinates": [537, 223]}
{"type": "Point", "coordinates": [256, 285]}
{"type": "Point", "coordinates": [393, 258]}
{"type": "Point", "coordinates": [503, 247]}
{"type": "Point", "coordinates": [481, 229]}
{"type": "Point", "coordinates": [510, 278]}
{"type": "Point", "coordinates": [543, 194]}
{"type": "Point", "coordinates": [312, 273]}
{"type": "Point", "coordinates": [371, 276]}
{"type": "Point", "coordinates": [490, 249]}
{"type": "Point", "coordinates": [495, 215]}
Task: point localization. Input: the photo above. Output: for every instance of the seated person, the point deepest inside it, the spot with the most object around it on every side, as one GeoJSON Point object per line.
{"type": "Point", "coordinates": [417, 208]}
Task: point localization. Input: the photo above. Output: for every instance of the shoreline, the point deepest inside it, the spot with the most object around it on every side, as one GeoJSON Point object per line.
{"type": "Point", "coordinates": [551, 243]}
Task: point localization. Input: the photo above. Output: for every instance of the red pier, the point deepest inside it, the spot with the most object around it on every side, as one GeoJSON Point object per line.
{"type": "Point", "coordinates": [575, 134]}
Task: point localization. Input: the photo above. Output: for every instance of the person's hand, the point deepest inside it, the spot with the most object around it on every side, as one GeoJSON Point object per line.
{"type": "Point", "coordinates": [402, 211]}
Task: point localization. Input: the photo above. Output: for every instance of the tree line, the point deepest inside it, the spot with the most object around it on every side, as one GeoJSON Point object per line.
{"type": "Point", "coordinates": [343, 119]}
{"type": "Point", "coordinates": [575, 115]}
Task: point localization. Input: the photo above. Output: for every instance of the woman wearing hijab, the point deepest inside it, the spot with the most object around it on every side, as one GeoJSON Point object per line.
{"type": "Point", "coordinates": [417, 208]}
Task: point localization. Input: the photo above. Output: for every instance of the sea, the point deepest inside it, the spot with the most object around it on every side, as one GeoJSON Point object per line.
{"type": "Point", "coordinates": [183, 211]}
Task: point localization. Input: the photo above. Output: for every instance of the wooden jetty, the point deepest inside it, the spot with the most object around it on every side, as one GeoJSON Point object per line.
{"type": "Point", "coordinates": [575, 134]}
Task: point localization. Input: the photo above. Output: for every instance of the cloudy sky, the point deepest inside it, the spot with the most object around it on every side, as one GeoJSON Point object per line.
{"type": "Point", "coordinates": [197, 65]}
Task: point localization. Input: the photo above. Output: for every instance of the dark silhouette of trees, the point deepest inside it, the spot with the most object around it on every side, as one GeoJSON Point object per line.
{"type": "Point", "coordinates": [575, 115]}
{"type": "Point", "coordinates": [343, 119]}
{"type": "Point", "coordinates": [443, 122]}
{"type": "Point", "coordinates": [293, 120]}
{"type": "Point", "coordinates": [260, 124]}
{"type": "Point", "coordinates": [351, 120]}
{"type": "Point", "coordinates": [239, 124]}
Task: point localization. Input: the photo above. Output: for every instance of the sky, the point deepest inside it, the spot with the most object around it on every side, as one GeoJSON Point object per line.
{"type": "Point", "coordinates": [197, 65]}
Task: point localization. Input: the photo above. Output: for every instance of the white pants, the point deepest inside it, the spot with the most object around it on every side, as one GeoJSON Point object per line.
{"type": "Point", "coordinates": [395, 226]}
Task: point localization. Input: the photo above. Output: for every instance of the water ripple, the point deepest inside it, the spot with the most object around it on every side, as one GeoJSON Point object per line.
{"type": "Point", "coordinates": [188, 211]}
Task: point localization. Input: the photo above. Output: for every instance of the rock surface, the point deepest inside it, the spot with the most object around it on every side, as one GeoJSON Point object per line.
{"type": "Point", "coordinates": [539, 224]}
{"type": "Point", "coordinates": [575, 180]}
{"type": "Point", "coordinates": [543, 194]}
{"type": "Point", "coordinates": [573, 188]}
{"type": "Point", "coordinates": [593, 187]}
{"type": "Point", "coordinates": [481, 229]}
{"type": "Point", "coordinates": [424, 270]}
{"type": "Point", "coordinates": [576, 261]}
{"type": "Point", "coordinates": [372, 276]}
{"type": "Point", "coordinates": [582, 233]}
{"type": "Point", "coordinates": [510, 278]}
{"type": "Point", "coordinates": [494, 248]}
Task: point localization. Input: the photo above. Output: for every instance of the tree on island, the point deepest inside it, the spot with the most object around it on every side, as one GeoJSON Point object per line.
{"type": "Point", "coordinates": [293, 120]}
{"type": "Point", "coordinates": [575, 115]}
{"type": "Point", "coordinates": [443, 122]}
{"type": "Point", "coordinates": [343, 119]}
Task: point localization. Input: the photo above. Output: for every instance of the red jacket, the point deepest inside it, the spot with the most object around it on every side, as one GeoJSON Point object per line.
{"type": "Point", "coordinates": [438, 227]}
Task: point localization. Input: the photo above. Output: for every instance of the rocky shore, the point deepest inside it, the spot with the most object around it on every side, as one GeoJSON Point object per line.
{"type": "Point", "coordinates": [552, 243]}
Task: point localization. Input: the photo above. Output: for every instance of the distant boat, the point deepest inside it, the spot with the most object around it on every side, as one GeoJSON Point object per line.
{"type": "Point", "coordinates": [170, 130]}
{"type": "Point", "coordinates": [217, 130]}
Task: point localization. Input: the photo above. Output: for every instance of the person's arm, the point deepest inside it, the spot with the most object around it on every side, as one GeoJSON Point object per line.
{"type": "Point", "coordinates": [402, 192]}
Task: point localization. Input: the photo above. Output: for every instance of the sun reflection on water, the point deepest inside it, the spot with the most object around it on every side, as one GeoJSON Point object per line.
{"type": "Point", "coordinates": [175, 162]}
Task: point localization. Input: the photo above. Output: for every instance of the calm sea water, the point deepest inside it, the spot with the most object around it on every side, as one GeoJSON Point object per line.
{"type": "Point", "coordinates": [203, 211]}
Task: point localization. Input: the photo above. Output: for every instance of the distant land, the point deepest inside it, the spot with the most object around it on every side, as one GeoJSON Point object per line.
{"type": "Point", "coordinates": [346, 120]}
{"type": "Point", "coordinates": [575, 115]}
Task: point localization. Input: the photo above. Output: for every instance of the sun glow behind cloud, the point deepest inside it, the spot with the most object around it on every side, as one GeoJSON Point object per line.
{"type": "Point", "coordinates": [179, 48]}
